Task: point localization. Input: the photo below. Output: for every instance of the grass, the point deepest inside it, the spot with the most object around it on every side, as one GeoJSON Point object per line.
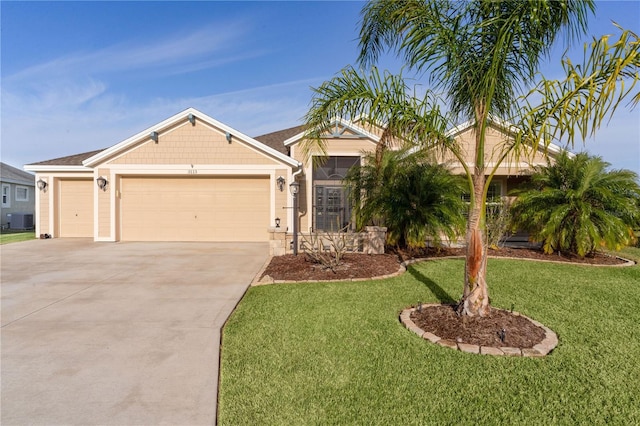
{"type": "Point", "coordinates": [335, 353]}
{"type": "Point", "coordinates": [9, 236]}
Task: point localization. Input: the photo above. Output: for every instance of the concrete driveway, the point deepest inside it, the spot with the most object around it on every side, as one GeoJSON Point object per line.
{"type": "Point", "coordinates": [117, 333]}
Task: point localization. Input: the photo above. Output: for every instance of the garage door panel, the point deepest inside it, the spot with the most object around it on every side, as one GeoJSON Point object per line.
{"type": "Point", "coordinates": [194, 209]}
{"type": "Point", "coordinates": [75, 208]}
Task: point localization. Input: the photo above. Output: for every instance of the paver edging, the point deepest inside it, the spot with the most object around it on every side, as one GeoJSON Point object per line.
{"type": "Point", "coordinates": [541, 349]}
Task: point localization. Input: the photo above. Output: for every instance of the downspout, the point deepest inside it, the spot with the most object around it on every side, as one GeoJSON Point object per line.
{"type": "Point", "coordinates": [295, 211]}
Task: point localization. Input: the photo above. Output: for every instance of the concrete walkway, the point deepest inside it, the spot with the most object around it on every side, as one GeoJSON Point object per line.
{"type": "Point", "coordinates": [116, 333]}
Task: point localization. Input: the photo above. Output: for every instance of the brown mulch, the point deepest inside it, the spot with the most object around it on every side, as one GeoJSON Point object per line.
{"type": "Point", "coordinates": [521, 253]}
{"type": "Point", "coordinates": [443, 321]}
{"type": "Point", "coordinates": [300, 268]}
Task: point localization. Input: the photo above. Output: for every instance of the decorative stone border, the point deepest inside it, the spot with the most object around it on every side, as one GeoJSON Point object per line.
{"type": "Point", "coordinates": [541, 349]}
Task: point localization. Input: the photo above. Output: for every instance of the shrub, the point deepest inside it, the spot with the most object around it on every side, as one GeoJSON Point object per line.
{"type": "Point", "coordinates": [413, 197]}
{"type": "Point", "coordinates": [576, 205]}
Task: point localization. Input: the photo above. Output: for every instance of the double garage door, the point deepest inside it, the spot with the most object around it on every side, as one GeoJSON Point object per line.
{"type": "Point", "coordinates": [194, 209]}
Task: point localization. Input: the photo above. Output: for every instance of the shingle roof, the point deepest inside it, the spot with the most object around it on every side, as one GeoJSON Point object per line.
{"type": "Point", "coordinates": [11, 174]}
{"type": "Point", "coordinates": [70, 160]}
{"type": "Point", "coordinates": [273, 140]}
{"type": "Point", "coordinates": [276, 140]}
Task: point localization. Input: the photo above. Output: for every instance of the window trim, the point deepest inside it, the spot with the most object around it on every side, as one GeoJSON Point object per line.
{"type": "Point", "coordinates": [26, 190]}
{"type": "Point", "coordinates": [6, 196]}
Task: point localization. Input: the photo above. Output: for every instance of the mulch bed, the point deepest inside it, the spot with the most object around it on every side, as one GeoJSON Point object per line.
{"type": "Point", "coordinates": [521, 253]}
{"type": "Point", "coordinates": [301, 268]}
{"type": "Point", "coordinates": [444, 322]}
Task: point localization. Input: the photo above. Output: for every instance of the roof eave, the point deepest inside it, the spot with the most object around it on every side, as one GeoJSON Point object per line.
{"type": "Point", "coordinates": [55, 168]}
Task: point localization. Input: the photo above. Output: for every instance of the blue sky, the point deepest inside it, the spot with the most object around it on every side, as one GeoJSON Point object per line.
{"type": "Point", "coordinates": [80, 76]}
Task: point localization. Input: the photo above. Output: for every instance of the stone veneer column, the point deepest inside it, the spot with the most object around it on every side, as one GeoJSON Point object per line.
{"type": "Point", "coordinates": [277, 240]}
{"type": "Point", "coordinates": [375, 241]}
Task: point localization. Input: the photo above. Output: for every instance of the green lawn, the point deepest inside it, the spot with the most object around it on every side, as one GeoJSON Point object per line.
{"type": "Point", "coordinates": [335, 353]}
{"type": "Point", "coordinates": [7, 236]}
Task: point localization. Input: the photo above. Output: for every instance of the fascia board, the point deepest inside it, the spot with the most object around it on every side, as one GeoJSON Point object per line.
{"type": "Point", "coordinates": [58, 168]}
{"type": "Point", "coordinates": [18, 182]}
{"type": "Point", "coordinates": [292, 140]}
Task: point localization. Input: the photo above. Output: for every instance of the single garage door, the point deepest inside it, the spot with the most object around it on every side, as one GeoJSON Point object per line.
{"type": "Point", "coordinates": [75, 207]}
{"type": "Point", "coordinates": [194, 208]}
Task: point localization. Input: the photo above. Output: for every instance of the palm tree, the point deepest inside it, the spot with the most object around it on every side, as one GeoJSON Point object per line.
{"type": "Point", "coordinates": [576, 205]}
{"type": "Point", "coordinates": [411, 196]}
{"type": "Point", "coordinates": [481, 56]}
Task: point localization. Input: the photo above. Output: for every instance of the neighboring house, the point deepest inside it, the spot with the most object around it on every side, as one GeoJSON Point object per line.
{"type": "Point", "coordinates": [18, 197]}
{"type": "Point", "coordinates": [192, 178]}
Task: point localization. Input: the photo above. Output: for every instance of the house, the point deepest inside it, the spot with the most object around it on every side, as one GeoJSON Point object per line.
{"type": "Point", "coordinates": [192, 178]}
{"type": "Point", "coordinates": [18, 198]}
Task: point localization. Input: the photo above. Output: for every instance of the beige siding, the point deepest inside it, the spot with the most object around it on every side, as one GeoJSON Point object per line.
{"type": "Point", "coordinates": [75, 207]}
{"type": "Point", "coordinates": [42, 215]}
{"type": "Point", "coordinates": [187, 144]}
{"type": "Point", "coordinates": [104, 207]}
{"type": "Point", "coordinates": [346, 146]}
{"type": "Point", "coordinates": [281, 198]}
{"type": "Point", "coordinates": [494, 145]}
{"type": "Point", "coordinates": [195, 209]}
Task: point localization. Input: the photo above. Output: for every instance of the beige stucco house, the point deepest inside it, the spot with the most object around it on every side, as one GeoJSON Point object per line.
{"type": "Point", "coordinates": [192, 178]}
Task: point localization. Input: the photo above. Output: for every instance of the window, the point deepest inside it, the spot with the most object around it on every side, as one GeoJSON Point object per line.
{"type": "Point", "coordinates": [22, 193]}
{"type": "Point", "coordinates": [332, 211]}
{"type": "Point", "coordinates": [493, 194]}
{"type": "Point", "coordinates": [6, 195]}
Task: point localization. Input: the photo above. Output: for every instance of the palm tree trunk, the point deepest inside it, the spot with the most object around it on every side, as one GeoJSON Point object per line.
{"type": "Point", "coordinates": [475, 298]}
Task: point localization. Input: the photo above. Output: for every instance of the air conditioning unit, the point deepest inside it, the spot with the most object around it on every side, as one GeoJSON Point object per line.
{"type": "Point", "coordinates": [21, 221]}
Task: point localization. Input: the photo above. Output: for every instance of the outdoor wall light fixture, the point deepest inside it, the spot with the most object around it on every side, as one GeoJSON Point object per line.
{"type": "Point", "coordinates": [41, 184]}
{"type": "Point", "coordinates": [102, 183]}
{"type": "Point", "coordinates": [154, 136]}
{"type": "Point", "coordinates": [294, 187]}
{"type": "Point", "coordinates": [192, 119]}
{"type": "Point", "coordinates": [280, 182]}
{"type": "Point", "coordinates": [228, 136]}
{"type": "Point", "coordinates": [277, 222]}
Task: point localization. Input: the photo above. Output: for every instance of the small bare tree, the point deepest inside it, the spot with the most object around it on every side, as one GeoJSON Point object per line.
{"type": "Point", "coordinates": [328, 248]}
{"type": "Point", "coordinates": [497, 222]}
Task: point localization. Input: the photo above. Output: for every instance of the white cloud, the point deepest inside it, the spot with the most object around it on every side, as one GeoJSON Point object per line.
{"type": "Point", "coordinates": [87, 117]}
{"type": "Point", "coordinates": [192, 50]}
{"type": "Point", "coordinates": [67, 105]}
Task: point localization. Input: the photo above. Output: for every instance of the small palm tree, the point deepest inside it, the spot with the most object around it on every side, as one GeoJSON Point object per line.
{"type": "Point", "coordinates": [414, 198]}
{"type": "Point", "coordinates": [577, 206]}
